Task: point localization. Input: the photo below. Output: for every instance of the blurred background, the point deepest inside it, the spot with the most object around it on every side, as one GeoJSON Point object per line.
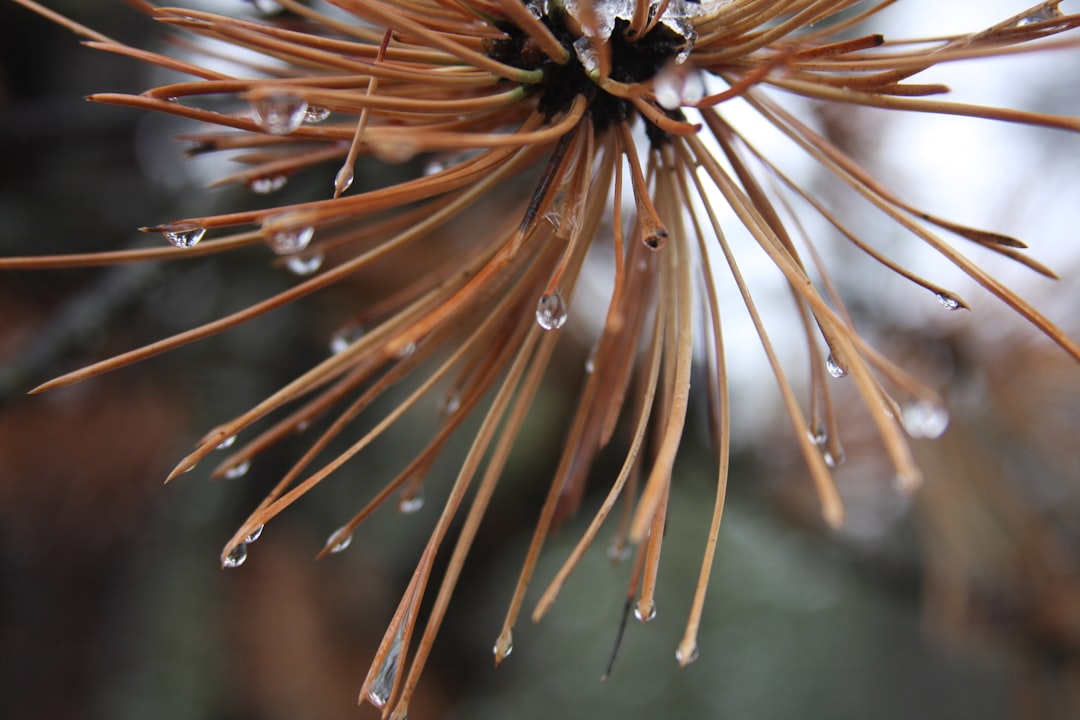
{"type": "Point", "coordinates": [963, 601]}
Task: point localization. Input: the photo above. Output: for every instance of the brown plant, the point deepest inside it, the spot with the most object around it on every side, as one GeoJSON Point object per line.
{"type": "Point", "coordinates": [614, 112]}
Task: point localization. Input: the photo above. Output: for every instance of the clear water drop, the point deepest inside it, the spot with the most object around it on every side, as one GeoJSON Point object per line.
{"type": "Point", "coordinates": [692, 656]}
{"type": "Point", "coordinates": [268, 7]}
{"type": "Point", "coordinates": [226, 443]}
{"type": "Point", "coordinates": [184, 236]}
{"type": "Point", "coordinates": [450, 404]}
{"type": "Point", "coordinates": [340, 540]}
{"type": "Point", "coordinates": [304, 266]}
{"type": "Point", "coordinates": [344, 178]}
{"type": "Point", "coordinates": [236, 556]}
{"type": "Point", "coordinates": [345, 337]}
{"type": "Point", "coordinates": [433, 167]}
{"type": "Point", "coordinates": [254, 535]}
{"type": "Point", "coordinates": [1039, 14]}
{"type": "Point", "coordinates": [406, 350]}
{"type": "Point", "coordinates": [315, 115]}
{"type": "Point", "coordinates": [238, 470]}
{"type": "Point", "coordinates": [280, 113]}
{"type": "Point", "coordinates": [385, 678]}
{"type": "Point", "coordinates": [833, 458]}
{"type": "Point", "coordinates": [924, 419]}
{"type": "Point", "coordinates": [948, 301]}
{"type": "Point", "coordinates": [411, 504]}
{"type": "Point", "coordinates": [617, 552]}
{"type": "Point", "coordinates": [834, 366]}
{"type": "Point", "coordinates": [590, 365]}
{"type": "Point", "coordinates": [644, 614]}
{"type": "Point", "coordinates": [551, 311]}
{"type": "Point", "coordinates": [268, 184]}
{"type": "Point", "coordinates": [504, 645]}
{"type": "Point", "coordinates": [818, 434]}
{"type": "Point", "coordinates": [285, 239]}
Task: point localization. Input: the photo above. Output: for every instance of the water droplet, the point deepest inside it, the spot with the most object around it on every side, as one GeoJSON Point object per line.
{"type": "Point", "coordinates": [303, 425]}
{"type": "Point", "coordinates": [236, 556]}
{"type": "Point", "coordinates": [314, 114]}
{"type": "Point", "coordinates": [644, 614]}
{"type": "Point", "coordinates": [254, 535]}
{"type": "Point", "coordinates": [617, 552]}
{"type": "Point", "coordinates": [1039, 14]}
{"type": "Point", "coordinates": [411, 504]}
{"type": "Point", "coordinates": [268, 7]}
{"type": "Point", "coordinates": [655, 240]}
{"type": "Point", "coordinates": [406, 350]}
{"type": "Point", "coordinates": [948, 301]}
{"type": "Point", "coordinates": [383, 684]}
{"type": "Point", "coordinates": [504, 645]}
{"type": "Point", "coordinates": [184, 236]}
{"type": "Point", "coordinates": [302, 266]}
{"type": "Point", "coordinates": [551, 311]}
{"type": "Point", "coordinates": [834, 366]}
{"type": "Point", "coordinates": [285, 239]}
{"type": "Point", "coordinates": [590, 365]}
{"type": "Point", "coordinates": [340, 540]}
{"type": "Point", "coordinates": [238, 470]}
{"type": "Point", "coordinates": [345, 337]}
{"type": "Point", "coordinates": [279, 114]}
{"type": "Point", "coordinates": [451, 403]}
{"type": "Point", "coordinates": [226, 443]}
{"type": "Point", "coordinates": [924, 419]}
{"type": "Point", "coordinates": [344, 178]}
{"type": "Point", "coordinates": [692, 656]}
{"type": "Point", "coordinates": [818, 434]}
{"type": "Point", "coordinates": [833, 458]}
{"type": "Point", "coordinates": [268, 184]}
{"type": "Point", "coordinates": [445, 161]}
